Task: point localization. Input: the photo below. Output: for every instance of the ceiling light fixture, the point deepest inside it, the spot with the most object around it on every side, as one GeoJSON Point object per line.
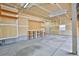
{"type": "Point", "coordinates": [57, 13]}
{"type": "Point", "coordinates": [26, 4]}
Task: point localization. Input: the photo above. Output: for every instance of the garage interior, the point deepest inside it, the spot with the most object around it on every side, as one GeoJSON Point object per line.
{"type": "Point", "coordinates": [37, 29]}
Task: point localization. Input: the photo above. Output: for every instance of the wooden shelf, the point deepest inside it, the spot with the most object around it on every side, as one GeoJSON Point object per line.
{"type": "Point", "coordinates": [9, 16]}
{"type": "Point", "coordinates": [8, 8]}
{"type": "Point", "coordinates": [9, 12]}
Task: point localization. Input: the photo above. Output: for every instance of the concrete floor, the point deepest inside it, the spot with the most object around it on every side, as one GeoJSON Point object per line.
{"type": "Point", "coordinates": [47, 46]}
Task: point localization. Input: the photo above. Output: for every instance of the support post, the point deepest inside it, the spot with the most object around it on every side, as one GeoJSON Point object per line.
{"type": "Point", "coordinates": [36, 34]}
{"type": "Point", "coordinates": [74, 28]}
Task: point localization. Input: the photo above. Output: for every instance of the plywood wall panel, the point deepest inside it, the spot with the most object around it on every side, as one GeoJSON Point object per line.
{"type": "Point", "coordinates": [4, 20]}
{"type": "Point", "coordinates": [23, 21]}
{"type": "Point", "coordinates": [23, 25]}
{"type": "Point", "coordinates": [35, 25]}
{"type": "Point", "coordinates": [61, 20]}
{"type": "Point", "coordinates": [8, 31]}
{"type": "Point", "coordinates": [22, 31]}
{"type": "Point", "coordinates": [78, 27]}
{"type": "Point", "coordinates": [1, 33]}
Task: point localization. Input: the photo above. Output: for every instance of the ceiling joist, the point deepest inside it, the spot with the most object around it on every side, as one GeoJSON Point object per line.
{"type": "Point", "coordinates": [41, 7]}
{"type": "Point", "coordinates": [61, 8]}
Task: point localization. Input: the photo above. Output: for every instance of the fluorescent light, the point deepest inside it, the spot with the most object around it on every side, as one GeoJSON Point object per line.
{"type": "Point", "coordinates": [26, 5]}
{"type": "Point", "coordinates": [57, 13]}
